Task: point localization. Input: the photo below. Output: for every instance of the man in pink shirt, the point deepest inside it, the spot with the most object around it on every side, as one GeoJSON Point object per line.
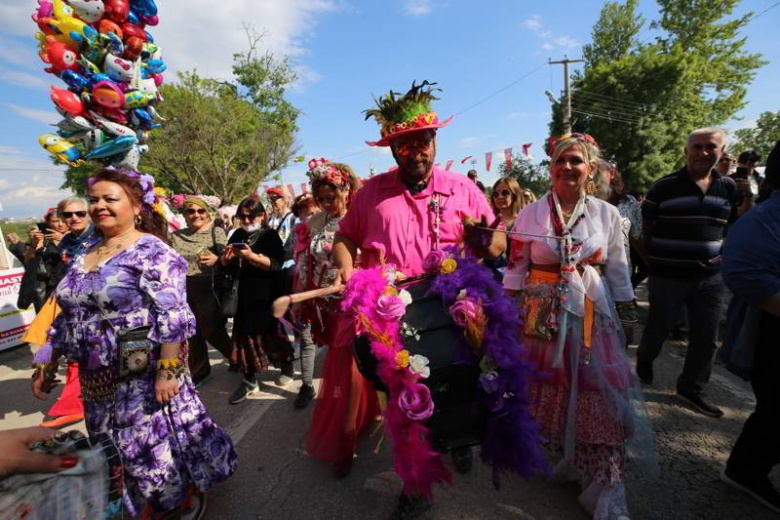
{"type": "Point", "coordinates": [400, 216]}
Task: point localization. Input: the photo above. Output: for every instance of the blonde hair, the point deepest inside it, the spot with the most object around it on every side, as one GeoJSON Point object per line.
{"type": "Point", "coordinates": [590, 150]}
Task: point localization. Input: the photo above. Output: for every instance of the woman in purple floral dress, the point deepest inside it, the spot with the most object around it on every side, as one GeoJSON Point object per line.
{"type": "Point", "coordinates": [125, 320]}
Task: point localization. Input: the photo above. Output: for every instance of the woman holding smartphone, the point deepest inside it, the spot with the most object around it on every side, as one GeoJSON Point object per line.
{"type": "Point", "coordinates": [255, 254]}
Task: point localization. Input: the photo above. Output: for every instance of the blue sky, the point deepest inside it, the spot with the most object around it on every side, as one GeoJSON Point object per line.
{"type": "Point", "coordinates": [490, 59]}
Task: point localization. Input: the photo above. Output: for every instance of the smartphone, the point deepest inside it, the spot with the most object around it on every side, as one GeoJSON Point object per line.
{"type": "Point", "coordinates": [741, 173]}
{"type": "Point", "coordinates": [43, 227]}
{"type": "Point", "coordinates": [239, 245]}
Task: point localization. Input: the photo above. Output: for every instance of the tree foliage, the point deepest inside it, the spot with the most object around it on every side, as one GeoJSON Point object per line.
{"type": "Point", "coordinates": [762, 137]}
{"type": "Point", "coordinates": [640, 100]}
{"type": "Point", "coordinates": [220, 138]}
{"type": "Point", "coordinates": [530, 176]}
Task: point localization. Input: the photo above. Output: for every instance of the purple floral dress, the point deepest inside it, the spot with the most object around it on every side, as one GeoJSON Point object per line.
{"type": "Point", "coordinates": [164, 449]}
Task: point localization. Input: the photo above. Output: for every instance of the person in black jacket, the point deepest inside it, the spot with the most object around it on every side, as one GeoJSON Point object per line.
{"type": "Point", "coordinates": [255, 254]}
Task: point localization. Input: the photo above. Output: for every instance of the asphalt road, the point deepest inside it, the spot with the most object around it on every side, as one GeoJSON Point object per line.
{"type": "Point", "coordinates": [276, 480]}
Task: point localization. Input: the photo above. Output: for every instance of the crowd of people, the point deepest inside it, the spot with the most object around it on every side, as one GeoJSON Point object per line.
{"type": "Point", "coordinates": [133, 308]}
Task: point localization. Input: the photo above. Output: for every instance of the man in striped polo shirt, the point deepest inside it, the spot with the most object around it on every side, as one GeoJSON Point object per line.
{"type": "Point", "coordinates": [684, 216]}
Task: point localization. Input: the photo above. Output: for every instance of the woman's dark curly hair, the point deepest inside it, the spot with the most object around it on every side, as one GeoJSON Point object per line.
{"type": "Point", "coordinates": [150, 220]}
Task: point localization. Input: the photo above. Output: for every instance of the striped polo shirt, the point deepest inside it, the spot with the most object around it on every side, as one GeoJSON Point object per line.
{"type": "Point", "coordinates": [687, 225]}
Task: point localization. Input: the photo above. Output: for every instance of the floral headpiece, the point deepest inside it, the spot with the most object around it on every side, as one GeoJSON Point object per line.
{"type": "Point", "coordinates": [585, 137]}
{"type": "Point", "coordinates": [146, 182]}
{"type": "Point", "coordinates": [409, 113]}
{"type": "Point", "coordinates": [49, 212]}
{"type": "Point", "coordinates": [320, 170]}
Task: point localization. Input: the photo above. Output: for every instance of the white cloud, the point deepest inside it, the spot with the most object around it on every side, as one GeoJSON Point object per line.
{"type": "Point", "coordinates": [197, 34]}
{"type": "Point", "coordinates": [550, 42]}
{"type": "Point", "coordinates": [534, 23]}
{"type": "Point", "coordinates": [470, 142]}
{"type": "Point", "coordinates": [19, 52]}
{"type": "Point", "coordinates": [418, 7]}
{"type": "Point", "coordinates": [22, 79]}
{"type": "Point", "coordinates": [28, 185]}
{"type": "Point", "coordinates": [20, 12]}
{"type": "Point", "coordinates": [306, 77]}
{"type": "Point", "coordinates": [204, 35]}
{"type": "Point", "coordinates": [48, 117]}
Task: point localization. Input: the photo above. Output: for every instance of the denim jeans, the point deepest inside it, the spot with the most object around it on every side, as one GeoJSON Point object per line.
{"type": "Point", "coordinates": [702, 297]}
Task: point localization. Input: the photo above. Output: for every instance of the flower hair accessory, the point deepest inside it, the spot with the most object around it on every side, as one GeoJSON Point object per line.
{"type": "Point", "coordinates": [320, 170]}
{"type": "Point", "coordinates": [146, 182]}
{"type": "Point", "coordinates": [585, 137]}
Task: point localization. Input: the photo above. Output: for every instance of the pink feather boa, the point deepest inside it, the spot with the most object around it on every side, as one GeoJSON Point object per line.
{"type": "Point", "coordinates": [418, 465]}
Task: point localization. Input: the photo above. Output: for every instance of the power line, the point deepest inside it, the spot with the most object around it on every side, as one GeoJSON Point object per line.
{"type": "Point", "coordinates": [622, 101]}
{"type": "Point", "coordinates": [606, 116]}
{"type": "Point", "coordinates": [497, 92]}
{"type": "Point", "coordinates": [765, 11]}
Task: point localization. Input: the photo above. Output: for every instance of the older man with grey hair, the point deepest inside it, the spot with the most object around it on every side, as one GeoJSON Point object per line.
{"type": "Point", "coordinates": [684, 217]}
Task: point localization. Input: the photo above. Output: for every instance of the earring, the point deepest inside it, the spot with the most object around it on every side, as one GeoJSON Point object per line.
{"type": "Point", "coordinates": [137, 220]}
{"type": "Point", "coordinates": [590, 187]}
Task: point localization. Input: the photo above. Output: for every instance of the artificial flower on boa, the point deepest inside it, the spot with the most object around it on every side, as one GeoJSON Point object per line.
{"type": "Point", "coordinates": [491, 327]}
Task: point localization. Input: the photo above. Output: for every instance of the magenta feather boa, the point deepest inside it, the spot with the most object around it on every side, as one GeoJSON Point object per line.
{"type": "Point", "coordinates": [512, 441]}
{"type": "Point", "coordinates": [418, 465]}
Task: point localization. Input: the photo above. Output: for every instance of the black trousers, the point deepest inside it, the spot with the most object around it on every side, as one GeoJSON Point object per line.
{"type": "Point", "coordinates": [757, 449]}
{"type": "Point", "coordinates": [210, 326]}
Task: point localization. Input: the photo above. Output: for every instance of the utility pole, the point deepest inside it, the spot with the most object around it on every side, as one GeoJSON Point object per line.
{"type": "Point", "coordinates": [566, 92]}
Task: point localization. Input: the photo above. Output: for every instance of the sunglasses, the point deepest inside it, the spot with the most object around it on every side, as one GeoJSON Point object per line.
{"type": "Point", "coordinates": [192, 211]}
{"type": "Point", "coordinates": [502, 193]}
{"type": "Point", "coordinates": [245, 217]}
{"type": "Point", "coordinates": [69, 214]}
{"type": "Point", "coordinates": [274, 198]}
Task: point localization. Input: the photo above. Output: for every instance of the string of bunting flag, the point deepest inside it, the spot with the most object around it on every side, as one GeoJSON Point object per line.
{"type": "Point", "coordinates": [507, 155]}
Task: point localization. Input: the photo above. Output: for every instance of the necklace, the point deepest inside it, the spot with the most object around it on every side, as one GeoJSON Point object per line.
{"type": "Point", "coordinates": [105, 250]}
{"type": "Point", "coordinates": [435, 206]}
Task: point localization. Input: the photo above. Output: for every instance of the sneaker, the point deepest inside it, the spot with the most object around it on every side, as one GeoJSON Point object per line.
{"type": "Point", "coordinates": [63, 420]}
{"type": "Point", "coordinates": [409, 508]}
{"type": "Point", "coordinates": [462, 459]}
{"type": "Point", "coordinates": [283, 380]}
{"type": "Point", "coordinates": [244, 390]}
{"type": "Point", "coordinates": [644, 371]}
{"type": "Point", "coordinates": [699, 404]}
{"type": "Point", "coordinates": [762, 490]}
{"type": "Point", "coordinates": [305, 395]}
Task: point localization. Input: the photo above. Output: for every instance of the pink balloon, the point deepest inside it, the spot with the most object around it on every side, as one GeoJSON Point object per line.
{"type": "Point", "coordinates": [158, 78]}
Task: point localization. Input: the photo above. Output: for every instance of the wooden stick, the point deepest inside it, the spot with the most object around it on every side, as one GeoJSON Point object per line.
{"type": "Point", "coordinates": [282, 304]}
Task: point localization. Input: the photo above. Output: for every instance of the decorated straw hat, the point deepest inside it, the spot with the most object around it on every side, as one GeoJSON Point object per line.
{"type": "Point", "coordinates": [398, 115]}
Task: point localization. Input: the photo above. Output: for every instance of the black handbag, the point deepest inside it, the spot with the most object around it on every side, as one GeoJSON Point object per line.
{"type": "Point", "coordinates": [228, 305]}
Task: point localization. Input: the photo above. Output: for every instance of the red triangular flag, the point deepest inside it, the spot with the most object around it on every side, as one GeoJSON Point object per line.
{"type": "Point", "coordinates": [488, 160]}
{"type": "Point", "coordinates": [525, 148]}
{"type": "Point", "coordinates": [449, 165]}
{"type": "Point", "coordinates": [304, 187]}
{"type": "Point", "coordinates": [508, 156]}
{"type": "Point", "coordinates": [291, 189]}
{"type": "Point", "coordinates": [463, 161]}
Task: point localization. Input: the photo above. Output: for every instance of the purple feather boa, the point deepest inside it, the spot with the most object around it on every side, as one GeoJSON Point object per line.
{"type": "Point", "coordinates": [512, 440]}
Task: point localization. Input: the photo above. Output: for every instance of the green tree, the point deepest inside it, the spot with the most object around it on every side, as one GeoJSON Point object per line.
{"type": "Point", "coordinates": [640, 100]}
{"type": "Point", "coordinates": [762, 137]}
{"type": "Point", "coordinates": [530, 176]}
